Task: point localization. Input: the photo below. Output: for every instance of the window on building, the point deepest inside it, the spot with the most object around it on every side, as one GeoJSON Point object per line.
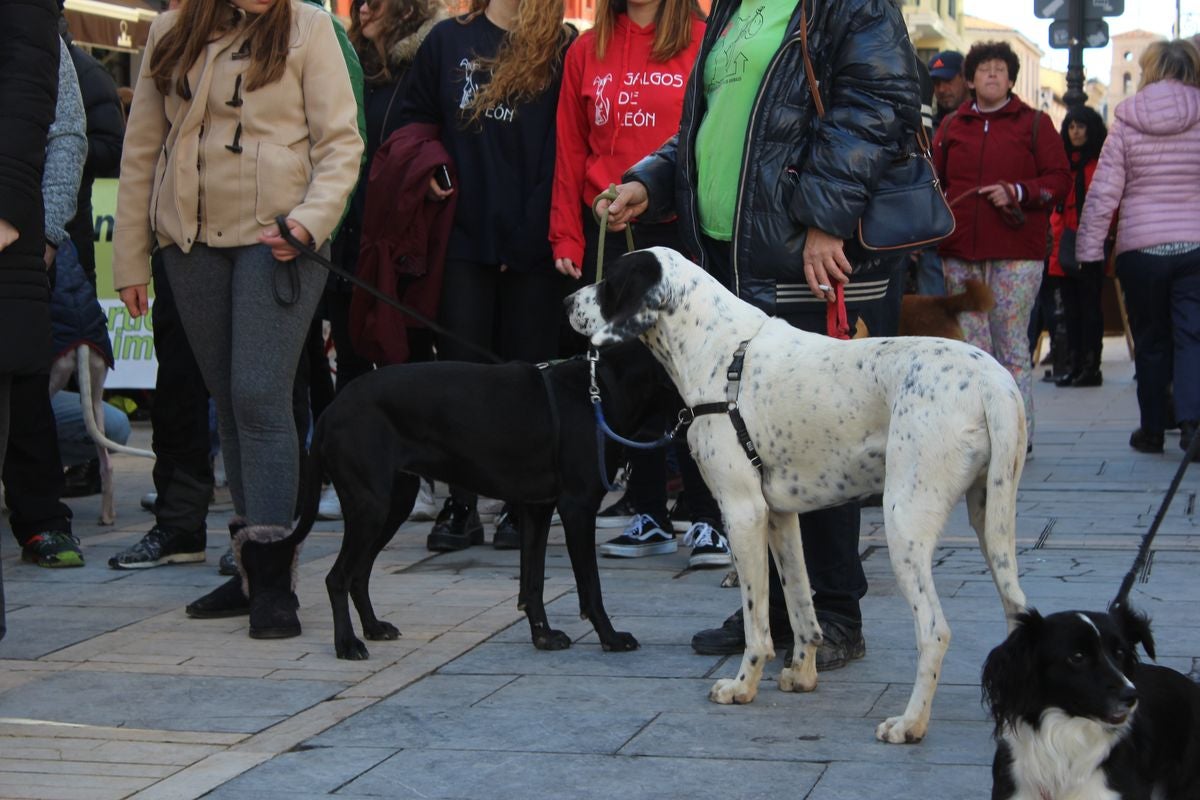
{"type": "Point", "coordinates": [1127, 84]}
{"type": "Point", "coordinates": [952, 9]}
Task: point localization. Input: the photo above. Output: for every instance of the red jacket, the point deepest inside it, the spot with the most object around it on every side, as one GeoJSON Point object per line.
{"type": "Point", "coordinates": [1069, 216]}
{"type": "Point", "coordinates": [973, 149]}
{"type": "Point", "coordinates": [402, 248]}
{"type": "Point", "coordinates": [611, 114]}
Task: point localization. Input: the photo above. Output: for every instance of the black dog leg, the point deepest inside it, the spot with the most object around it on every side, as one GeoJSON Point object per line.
{"type": "Point", "coordinates": [580, 526]}
{"type": "Point", "coordinates": [404, 495]}
{"type": "Point", "coordinates": [535, 530]}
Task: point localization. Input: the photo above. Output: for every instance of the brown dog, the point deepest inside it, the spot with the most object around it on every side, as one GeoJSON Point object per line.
{"type": "Point", "coordinates": [936, 315]}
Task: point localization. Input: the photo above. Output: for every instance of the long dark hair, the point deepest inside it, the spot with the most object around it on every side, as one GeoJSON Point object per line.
{"type": "Point", "coordinates": [204, 21]}
{"type": "Point", "coordinates": [1096, 134]}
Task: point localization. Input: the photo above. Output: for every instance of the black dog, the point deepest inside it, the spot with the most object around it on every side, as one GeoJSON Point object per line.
{"type": "Point", "coordinates": [1078, 717]}
{"type": "Point", "coordinates": [511, 432]}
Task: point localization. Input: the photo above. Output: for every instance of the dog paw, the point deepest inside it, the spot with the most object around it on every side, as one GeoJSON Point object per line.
{"type": "Point", "coordinates": [551, 640]}
{"type": "Point", "coordinates": [352, 650]}
{"type": "Point", "coordinates": [794, 679]}
{"type": "Point", "coordinates": [900, 730]}
{"type": "Point", "coordinates": [381, 632]}
{"type": "Point", "coordinates": [620, 642]}
{"type": "Point", "coordinates": [729, 691]}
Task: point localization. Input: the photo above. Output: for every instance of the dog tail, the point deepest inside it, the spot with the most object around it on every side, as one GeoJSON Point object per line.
{"type": "Point", "coordinates": [309, 498]}
{"type": "Point", "coordinates": [1004, 414]}
{"type": "Point", "coordinates": [976, 296]}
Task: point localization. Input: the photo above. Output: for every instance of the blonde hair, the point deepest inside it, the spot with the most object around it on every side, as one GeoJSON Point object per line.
{"type": "Point", "coordinates": [527, 61]}
{"type": "Point", "coordinates": [1177, 60]}
{"type": "Point", "coordinates": [672, 26]}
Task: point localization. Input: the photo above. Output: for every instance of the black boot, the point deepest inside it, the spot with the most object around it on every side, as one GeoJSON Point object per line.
{"type": "Point", "coordinates": [229, 599]}
{"type": "Point", "coordinates": [1187, 432]}
{"type": "Point", "coordinates": [267, 555]}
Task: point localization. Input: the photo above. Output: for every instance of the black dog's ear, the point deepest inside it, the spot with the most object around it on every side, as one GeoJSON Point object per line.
{"type": "Point", "coordinates": [629, 298]}
{"type": "Point", "coordinates": [1134, 625]}
{"type": "Point", "coordinates": [1010, 674]}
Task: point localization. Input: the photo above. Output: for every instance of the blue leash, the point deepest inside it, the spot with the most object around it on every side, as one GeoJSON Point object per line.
{"type": "Point", "coordinates": [604, 430]}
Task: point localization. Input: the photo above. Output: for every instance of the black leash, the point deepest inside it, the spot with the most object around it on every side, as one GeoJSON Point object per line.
{"type": "Point", "coordinates": [1143, 555]}
{"type": "Point", "coordinates": [408, 311]}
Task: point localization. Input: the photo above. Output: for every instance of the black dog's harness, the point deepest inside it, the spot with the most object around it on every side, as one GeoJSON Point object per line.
{"type": "Point", "coordinates": [730, 406]}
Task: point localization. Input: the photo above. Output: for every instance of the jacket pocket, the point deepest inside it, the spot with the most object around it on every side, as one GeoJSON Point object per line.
{"type": "Point", "coordinates": [281, 181]}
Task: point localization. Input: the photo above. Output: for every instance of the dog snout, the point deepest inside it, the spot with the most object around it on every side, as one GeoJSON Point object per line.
{"type": "Point", "coordinates": [1128, 696]}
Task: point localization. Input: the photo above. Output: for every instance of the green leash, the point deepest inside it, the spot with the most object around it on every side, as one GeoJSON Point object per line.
{"type": "Point", "coordinates": [609, 194]}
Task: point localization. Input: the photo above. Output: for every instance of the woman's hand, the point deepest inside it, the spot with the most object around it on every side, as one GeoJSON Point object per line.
{"type": "Point", "coordinates": [632, 201]}
{"type": "Point", "coordinates": [8, 234]}
{"type": "Point", "coordinates": [567, 267]}
{"type": "Point", "coordinates": [135, 299]}
{"type": "Point", "coordinates": [280, 249]}
{"type": "Point", "coordinates": [825, 263]}
{"type": "Point", "coordinates": [999, 195]}
{"type": "Point", "coordinates": [437, 194]}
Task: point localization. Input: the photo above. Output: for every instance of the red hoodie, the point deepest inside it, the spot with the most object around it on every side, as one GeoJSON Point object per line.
{"type": "Point", "coordinates": [973, 149]}
{"type": "Point", "coordinates": [611, 114]}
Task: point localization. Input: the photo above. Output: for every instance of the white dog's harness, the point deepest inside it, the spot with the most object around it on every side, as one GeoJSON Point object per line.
{"type": "Point", "coordinates": [730, 406]}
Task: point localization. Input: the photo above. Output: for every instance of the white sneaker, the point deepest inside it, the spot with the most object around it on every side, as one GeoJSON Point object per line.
{"type": "Point", "coordinates": [330, 507]}
{"type": "Point", "coordinates": [426, 506]}
{"type": "Point", "coordinates": [643, 537]}
{"type": "Point", "coordinates": [709, 547]}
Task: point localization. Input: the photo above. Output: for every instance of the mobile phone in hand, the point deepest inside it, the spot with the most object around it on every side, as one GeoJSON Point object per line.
{"type": "Point", "coordinates": [441, 176]}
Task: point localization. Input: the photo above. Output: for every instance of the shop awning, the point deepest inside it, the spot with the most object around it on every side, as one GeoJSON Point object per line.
{"type": "Point", "coordinates": [114, 24]}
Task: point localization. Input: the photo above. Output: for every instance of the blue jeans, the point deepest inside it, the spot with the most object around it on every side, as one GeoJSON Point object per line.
{"type": "Point", "coordinates": [75, 445]}
{"type": "Point", "coordinates": [1162, 295]}
{"type": "Point", "coordinates": [930, 278]}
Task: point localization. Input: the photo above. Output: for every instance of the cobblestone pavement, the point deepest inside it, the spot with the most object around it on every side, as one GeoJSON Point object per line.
{"type": "Point", "coordinates": [107, 690]}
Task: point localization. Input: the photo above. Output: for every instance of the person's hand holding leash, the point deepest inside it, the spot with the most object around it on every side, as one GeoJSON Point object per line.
{"type": "Point", "coordinates": [436, 193]}
{"type": "Point", "coordinates": [999, 194]}
{"type": "Point", "coordinates": [825, 263]}
{"type": "Point", "coordinates": [280, 249]}
{"type": "Point", "coordinates": [136, 300]}
{"type": "Point", "coordinates": [632, 201]}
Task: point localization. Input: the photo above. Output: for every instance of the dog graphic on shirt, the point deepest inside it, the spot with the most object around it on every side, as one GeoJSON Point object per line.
{"type": "Point", "coordinates": [603, 105]}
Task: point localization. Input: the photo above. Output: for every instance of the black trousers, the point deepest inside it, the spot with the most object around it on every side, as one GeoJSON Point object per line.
{"type": "Point", "coordinates": [830, 535]}
{"type": "Point", "coordinates": [33, 470]}
{"type": "Point", "coordinates": [514, 314]}
{"type": "Point", "coordinates": [1083, 317]}
{"type": "Point", "coordinates": [4, 386]}
{"type": "Point", "coordinates": [183, 476]}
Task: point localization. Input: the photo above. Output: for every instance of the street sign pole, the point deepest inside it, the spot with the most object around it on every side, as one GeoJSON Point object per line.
{"type": "Point", "coordinates": [1075, 95]}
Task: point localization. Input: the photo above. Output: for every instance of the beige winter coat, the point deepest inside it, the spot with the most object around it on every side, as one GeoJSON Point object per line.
{"type": "Point", "coordinates": [188, 176]}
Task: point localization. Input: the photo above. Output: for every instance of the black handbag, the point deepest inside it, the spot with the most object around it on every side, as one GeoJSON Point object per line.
{"type": "Point", "coordinates": [908, 210]}
{"type": "Point", "coordinates": [1066, 241]}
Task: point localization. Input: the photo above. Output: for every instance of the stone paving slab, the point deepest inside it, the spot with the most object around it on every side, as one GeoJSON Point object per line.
{"type": "Point", "coordinates": [463, 706]}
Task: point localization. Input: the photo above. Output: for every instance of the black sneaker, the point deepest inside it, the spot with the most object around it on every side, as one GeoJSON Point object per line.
{"type": "Point", "coordinates": [161, 546]}
{"type": "Point", "coordinates": [841, 643]}
{"type": "Point", "coordinates": [508, 533]}
{"type": "Point", "coordinates": [457, 527]}
{"type": "Point", "coordinates": [53, 549]}
{"type": "Point", "coordinates": [709, 547]}
{"type": "Point", "coordinates": [228, 564]}
{"type": "Point", "coordinates": [680, 512]}
{"type": "Point", "coordinates": [617, 515]}
{"type": "Point", "coordinates": [1144, 441]}
{"type": "Point", "coordinates": [730, 638]}
{"type": "Point", "coordinates": [643, 537]}
{"type": "Point", "coordinates": [82, 480]}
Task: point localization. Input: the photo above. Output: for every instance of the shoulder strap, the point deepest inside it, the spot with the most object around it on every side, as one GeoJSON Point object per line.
{"type": "Point", "coordinates": [1037, 120]}
{"type": "Point", "coordinates": [809, 72]}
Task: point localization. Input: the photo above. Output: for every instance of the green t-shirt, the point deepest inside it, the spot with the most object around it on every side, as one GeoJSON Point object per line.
{"type": "Point", "coordinates": [733, 72]}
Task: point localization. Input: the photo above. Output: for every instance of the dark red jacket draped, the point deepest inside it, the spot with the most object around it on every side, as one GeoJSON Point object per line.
{"type": "Point", "coordinates": [403, 243]}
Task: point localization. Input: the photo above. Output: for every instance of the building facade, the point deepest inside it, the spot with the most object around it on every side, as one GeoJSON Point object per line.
{"type": "Point", "coordinates": [1127, 49]}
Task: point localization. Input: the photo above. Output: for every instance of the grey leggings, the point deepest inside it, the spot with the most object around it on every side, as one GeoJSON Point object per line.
{"type": "Point", "coordinates": [247, 346]}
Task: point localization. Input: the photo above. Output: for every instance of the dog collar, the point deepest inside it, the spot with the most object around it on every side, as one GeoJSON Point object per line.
{"type": "Point", "coordinates": [734, 377]}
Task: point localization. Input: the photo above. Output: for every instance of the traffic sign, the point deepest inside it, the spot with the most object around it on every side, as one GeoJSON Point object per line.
{"type": "Point", "coordinates": [1092, 9]}
{"type": "Point", "coordinates": [1095, 33]}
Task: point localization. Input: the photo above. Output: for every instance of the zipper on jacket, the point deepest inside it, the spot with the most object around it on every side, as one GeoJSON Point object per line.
{"type": "Point", "coordinates": [737, 218]}
{"type": "Point", "coordinates": [199, 180]}
{"type": "Point", "coordinates": [978, 202]}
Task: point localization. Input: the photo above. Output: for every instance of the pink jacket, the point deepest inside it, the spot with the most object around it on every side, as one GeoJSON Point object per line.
{"type": "Point", "coordinates": [1149, 170]}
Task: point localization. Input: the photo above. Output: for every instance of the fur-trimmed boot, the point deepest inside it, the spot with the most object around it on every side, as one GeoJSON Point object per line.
{"type": "Point", "coordinates": [267, 556]}
{"type": "Point", "coordinates": [228, 599]}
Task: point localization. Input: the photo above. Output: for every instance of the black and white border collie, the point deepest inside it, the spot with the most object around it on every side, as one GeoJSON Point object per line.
{"type": "Point", "coordinates": [1078, 717]}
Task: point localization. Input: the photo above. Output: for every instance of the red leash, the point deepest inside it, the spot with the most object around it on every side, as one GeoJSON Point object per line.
{"type": "Point", "coordinates": [837, 322]}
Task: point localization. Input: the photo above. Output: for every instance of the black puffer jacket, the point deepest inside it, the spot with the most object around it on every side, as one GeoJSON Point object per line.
{"type": "Point", "coordinates": [799, 171]}
{"type": "Point", "coordinates": [28, 91]}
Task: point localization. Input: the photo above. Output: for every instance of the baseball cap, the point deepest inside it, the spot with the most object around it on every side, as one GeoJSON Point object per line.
{"type": "Point", "coordinates": [945, 65]}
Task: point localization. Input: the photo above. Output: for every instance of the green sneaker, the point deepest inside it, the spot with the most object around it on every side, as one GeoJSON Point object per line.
{"type": "Point", "coordinates": [53, 549]}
